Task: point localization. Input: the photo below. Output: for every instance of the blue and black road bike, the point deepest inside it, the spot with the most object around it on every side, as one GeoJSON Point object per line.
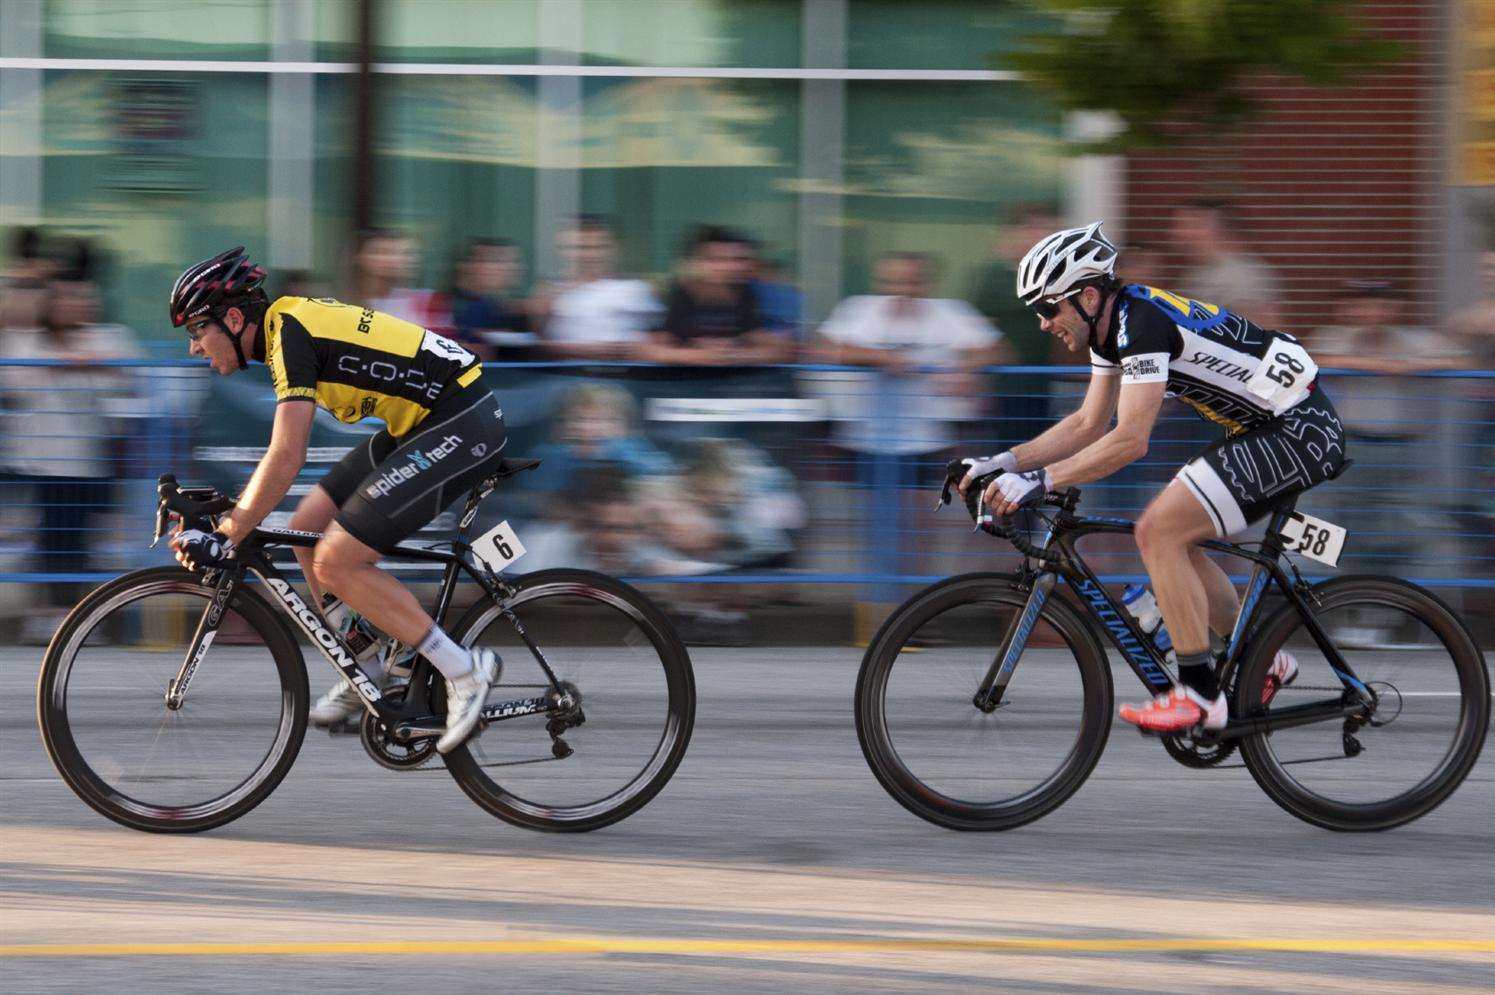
{"type": "Point", "coordinates": [985, 700]}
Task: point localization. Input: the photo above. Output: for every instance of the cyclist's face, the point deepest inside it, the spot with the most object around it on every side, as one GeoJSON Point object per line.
{"type": "Point", "coordinates": [1067, 326]}
{"type": "Point", "coordinates": [212, 344]}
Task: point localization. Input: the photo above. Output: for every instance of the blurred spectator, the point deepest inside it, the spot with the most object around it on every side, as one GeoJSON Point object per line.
{"type": "Point", "coordinates": [23, 285]}
{"type": "Point", "coordinates": [1022, 406]}
{"type": "Point", "coordinates": [927, 352]}
{"type": "Point", "coordinates": [779, 300]}
{"type": "Point", "coordinates": [483, 317]}
{"type": "Point", "coordinates": [1475, 324]}
{"type": "Point", "coordinates": [730, 508]}
{"type": "Point", "coordinates": [1394, 423]}
{"type": "Point", "coordinates": [591, 312]}
{"type": "Point", "coordinates": [301, 283]}
{"type": "Point", "coordinates": [384, 266]}
{"type": "Point", "coordinates": [712, 316]}
{"type": "Point", "coordinates": [1475, 327]}
{"type": "Point", "coordinates": [1370, 334]}
{"type": "Point", "coordinates": [1144, 263]}
{"type": "Point", "coordinates": [994, 291]}
{"type": "Point", "coordinates": [598, 425]}
{"type": "Point", "coordinates": [1220, 270]}
{"type": "Point", "coordinates": [599, 526]}
{"type": "Point", "coordinates": [62, 438]}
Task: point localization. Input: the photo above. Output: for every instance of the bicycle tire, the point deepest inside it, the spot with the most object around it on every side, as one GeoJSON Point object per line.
{"type": "Point", "coordinates": [877, 742]}
{"type": "Point", "coordinates": [680, 718]}
{"type": "Point", "coordinates": [58, 735]}
{"type": "Point", "coordinates": [1474, 683]}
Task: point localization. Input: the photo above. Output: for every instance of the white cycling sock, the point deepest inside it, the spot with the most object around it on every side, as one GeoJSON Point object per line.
{"type": "Point", "coordinates": [452, 660]}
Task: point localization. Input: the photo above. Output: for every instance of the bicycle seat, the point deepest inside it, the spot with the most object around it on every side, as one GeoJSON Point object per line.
{"type": "Point", "coordinates": [507, 468]}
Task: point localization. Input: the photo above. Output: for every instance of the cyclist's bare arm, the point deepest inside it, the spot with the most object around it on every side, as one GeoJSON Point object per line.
{"type": "Point", "coordinates": [1074, 432]}
{"type": "Point", "coordinates": [277, 470]}
{"type": "Point", "coordinates": [1136, 412]}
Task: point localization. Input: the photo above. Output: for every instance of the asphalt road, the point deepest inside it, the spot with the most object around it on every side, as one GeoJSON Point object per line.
{"type": "Point", "coordinates": [772, 862]}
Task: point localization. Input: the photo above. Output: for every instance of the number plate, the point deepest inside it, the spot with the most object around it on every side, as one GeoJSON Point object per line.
{"type": "Point", "coordinates": [1314, 538]}
{"type": "Point", "coordinates": [498, 547]}
{"type": "Point", "coordinates": [1283, 377]}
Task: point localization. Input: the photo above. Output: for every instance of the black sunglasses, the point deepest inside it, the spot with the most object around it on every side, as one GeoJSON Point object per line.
{"type": "Point", "coordinates": [1049, 309]}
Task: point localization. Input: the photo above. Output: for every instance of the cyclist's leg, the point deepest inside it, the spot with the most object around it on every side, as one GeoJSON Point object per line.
{"type": "Point", "coordinates": [1224, 602]}
{"type": "Point", "coordinates": [1167, 534]}
{"type": "Point", "coordinates": [429, 468]}
{"type": "Point", "coordinates": [320, 505]}
{"type": "Point", "coordinates": [349, 568]}
{"type": "Point", "coordinates": [313, 514]}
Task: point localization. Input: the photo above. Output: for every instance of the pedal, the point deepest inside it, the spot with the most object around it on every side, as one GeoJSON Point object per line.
{"type": "Point", "coordinates": [347, 727]}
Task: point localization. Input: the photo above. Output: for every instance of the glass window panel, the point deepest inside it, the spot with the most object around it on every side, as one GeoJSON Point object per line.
{"type": "Point", "coordinates": [757, 33]}
{"type": "Point", "coordinates": [933, 34]}
{"type": "Point", "coordinates": [157, 29]}
{"type": "Point", "coordinates": [161, 169]}
{"type": "Point", "coordinates": [937, 167]}
{"type": "Point", "coordinates": [334, 30]}
{"type": "Point", "coordinates": [490, 32]}
{"type": "Point", "coordinates": [455, 160]}
{"type": "Point", "coordinates": [662, 155]}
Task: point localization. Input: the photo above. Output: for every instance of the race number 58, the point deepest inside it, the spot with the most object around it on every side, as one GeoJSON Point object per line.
{"type": "Point", "coordinates": [1314, 538]}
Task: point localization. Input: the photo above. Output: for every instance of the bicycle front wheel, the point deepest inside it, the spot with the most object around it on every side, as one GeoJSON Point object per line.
{"type": "Point", "coordinates": [636, 703]}
{"type": "Point", "coordinates": [1402, 758]}
{"type": "Point", "coordinates": [106, 723]}
{"type": "Point", "coordinates": [943, 758]}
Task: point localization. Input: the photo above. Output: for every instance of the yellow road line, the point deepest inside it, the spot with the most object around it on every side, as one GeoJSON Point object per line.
{"type": "Point", "coordinates": [624, 945]}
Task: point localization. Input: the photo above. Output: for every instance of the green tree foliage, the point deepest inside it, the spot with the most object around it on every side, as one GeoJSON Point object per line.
{"type": "Point", "coordinates": [1173, 67]}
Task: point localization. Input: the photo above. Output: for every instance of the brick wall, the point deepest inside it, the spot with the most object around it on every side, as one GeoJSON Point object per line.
{"type": "Point", "coordinates": [1327, 184]}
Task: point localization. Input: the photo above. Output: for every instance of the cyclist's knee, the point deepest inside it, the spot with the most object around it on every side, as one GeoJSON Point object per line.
{"type": "Point", "coordinates": [331, 560]}
{"type": "Point", "coordinates": [315, 511]}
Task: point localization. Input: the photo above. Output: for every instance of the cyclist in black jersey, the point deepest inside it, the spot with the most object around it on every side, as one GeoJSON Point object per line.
{"type": "Point", "coordinates": [1283, 437]}
{"type": "Point", "coordinates": [443, 432]}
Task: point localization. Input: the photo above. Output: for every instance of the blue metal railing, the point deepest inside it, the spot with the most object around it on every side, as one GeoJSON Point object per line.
{"type": "Point", "coordinates": [806, 493]}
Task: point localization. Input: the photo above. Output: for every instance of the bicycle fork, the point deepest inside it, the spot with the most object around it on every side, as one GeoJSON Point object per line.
{"type": "Point", "coordinates": [202, 639]}
{"type": "Point", "coordinates": [989, 693]}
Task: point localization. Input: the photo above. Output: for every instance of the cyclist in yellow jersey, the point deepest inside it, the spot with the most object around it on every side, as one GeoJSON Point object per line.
{"type": "Point", "coordinates": [443, 432]}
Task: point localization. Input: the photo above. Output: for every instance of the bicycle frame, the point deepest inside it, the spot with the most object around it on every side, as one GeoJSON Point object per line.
{"type": "Point", "coordinates": [1140, 652]}
{"type": "Point", "coordinates": [414, 716]}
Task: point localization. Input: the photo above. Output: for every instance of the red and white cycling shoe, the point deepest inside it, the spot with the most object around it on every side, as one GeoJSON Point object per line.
{"type": "Point", "coordinates": [1178, 710]}
{"type": "Point", "coordinates": [1282, 672]}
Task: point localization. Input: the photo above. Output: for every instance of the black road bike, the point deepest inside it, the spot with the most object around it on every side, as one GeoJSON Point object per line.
{"type": "Point", "coordinates": [176, 702]}
{"type": "Point", "coordinates": [985, 700]}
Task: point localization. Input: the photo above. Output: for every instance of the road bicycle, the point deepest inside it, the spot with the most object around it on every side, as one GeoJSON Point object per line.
{"type": "Point", "coordinates": [985, 700]}
{"type": "Point", "coordinates": [176, 702]}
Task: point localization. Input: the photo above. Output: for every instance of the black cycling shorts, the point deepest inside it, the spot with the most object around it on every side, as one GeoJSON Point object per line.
{"type": "Point", "coordinates": [1240, 478]}
{"type": "Point", "coordinates": [387, 488]}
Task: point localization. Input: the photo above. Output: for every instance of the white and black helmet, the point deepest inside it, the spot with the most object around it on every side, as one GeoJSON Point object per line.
{"type": "Point", "coordinates": [1065, 260]}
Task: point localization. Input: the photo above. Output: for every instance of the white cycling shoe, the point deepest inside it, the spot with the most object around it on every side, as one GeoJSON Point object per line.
{"type": "Point", "coordinates": [465, 696]}
{"type": "Point", "coordinates": [339, 704]}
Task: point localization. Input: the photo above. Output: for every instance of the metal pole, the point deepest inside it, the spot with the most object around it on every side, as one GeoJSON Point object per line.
{"type": "Point", "coordinates": [363, 116]}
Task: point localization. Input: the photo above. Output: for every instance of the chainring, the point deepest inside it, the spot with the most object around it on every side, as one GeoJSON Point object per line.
{"type": "Point", "coordinates": [1200, 756]}
{"type": "Point", "coordinates": [390, 753]}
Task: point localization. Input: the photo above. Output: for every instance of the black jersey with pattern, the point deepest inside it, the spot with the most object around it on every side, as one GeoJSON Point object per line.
{"type": "Point", "coordinates": [359, 363]}
{"type": "Point", "coordinates": [1205, 354]}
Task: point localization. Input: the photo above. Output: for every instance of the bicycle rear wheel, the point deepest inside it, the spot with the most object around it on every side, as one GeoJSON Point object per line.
{"type": "Point", "coordinates": [1413, 749]}
{"type": "Point", "coordinates": [940, 756]}
{"type": "Point", "coordinates": [101, 704]}
{"type": "Point", "coordinates": [620, 657]}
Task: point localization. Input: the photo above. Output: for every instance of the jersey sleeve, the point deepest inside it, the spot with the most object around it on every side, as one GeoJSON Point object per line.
{"type": "Point", "coordinates": [1100, 366]}
{"type": "Point", "coordinates": [293, 361]}
{"type": "Point", "coordinates": [1146, 339]}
